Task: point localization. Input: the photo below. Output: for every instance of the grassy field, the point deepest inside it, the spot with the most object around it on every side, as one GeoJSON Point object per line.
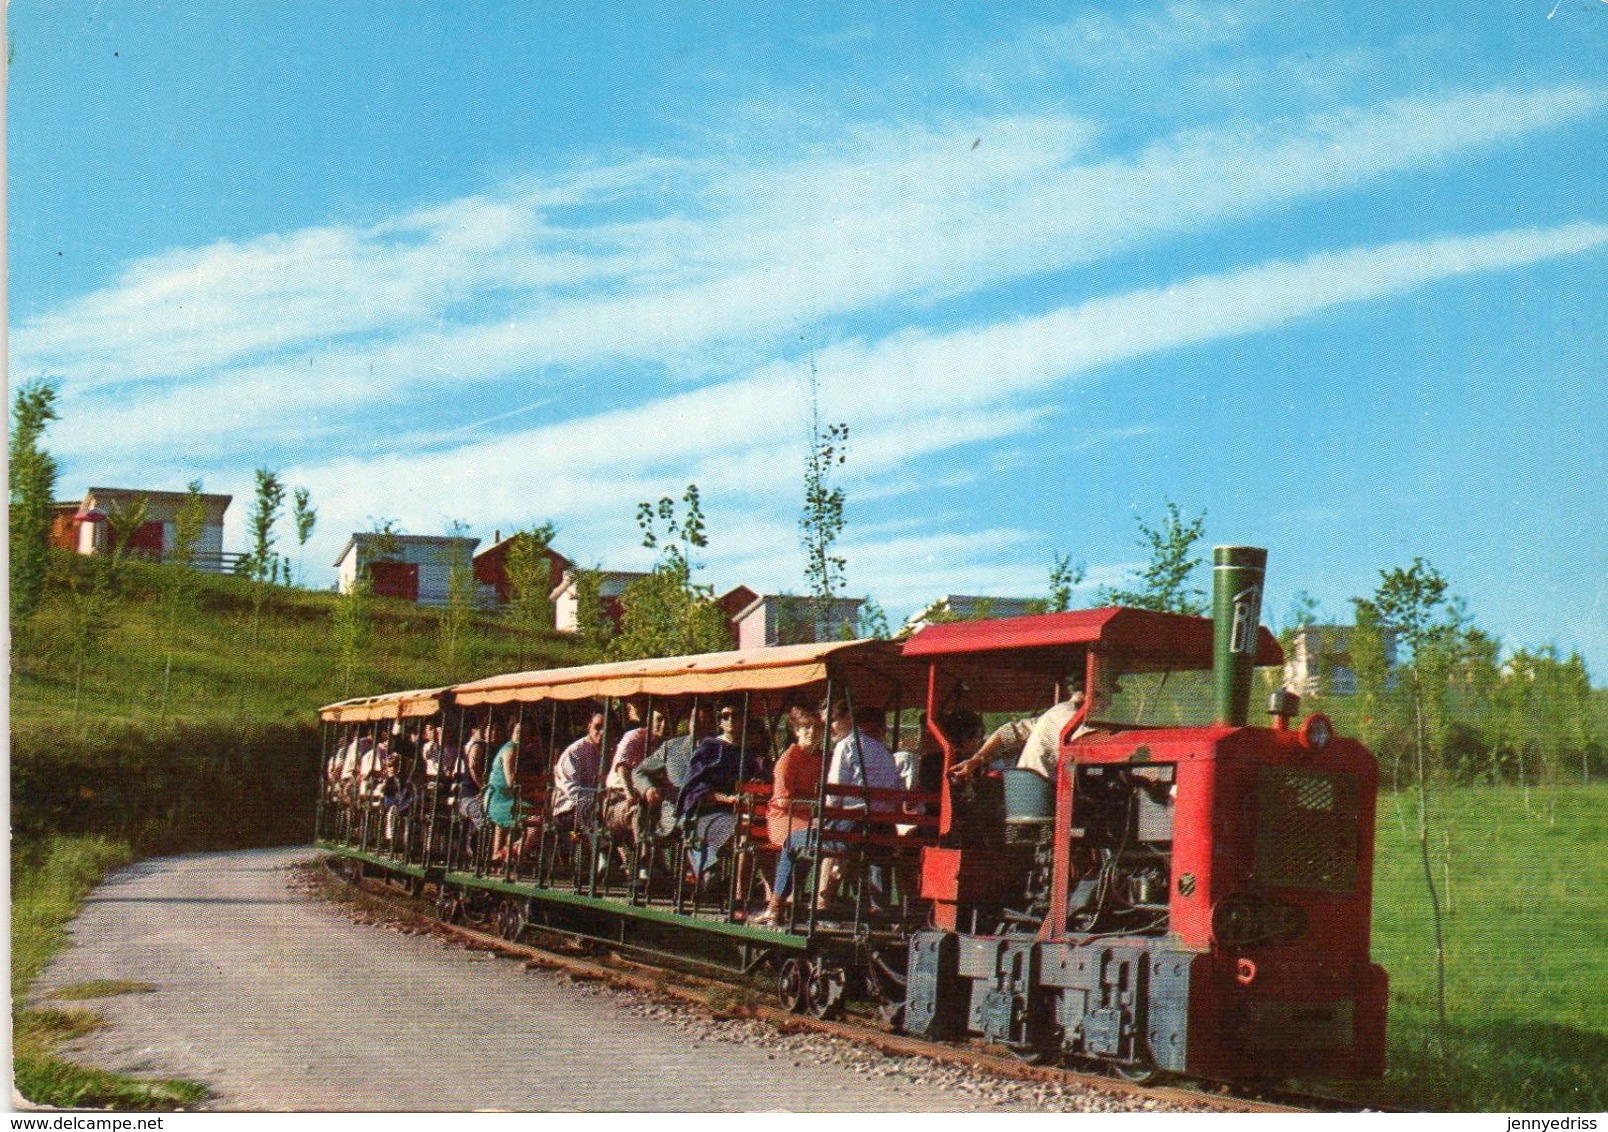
{"type": "Point", "coordinates": [1526, 954]}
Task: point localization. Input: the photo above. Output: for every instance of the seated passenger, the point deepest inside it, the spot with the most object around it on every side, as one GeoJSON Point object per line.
{"type": "Point", "coordinates": [501, 798]}
{"type": "Point", "coordinates": [352, 765]}
{"type": "Point", "coordinates": [430, 753]}
{"type": "Point", "coordinates": [396, 792]}
{"type": "Point", "coordinates": [718, 764]}
{"type": "Point", "coordinates": [622, 798]}
{"type": "Point", "coordinates": [370, 770]}
{"type": "Point", "coordinates": [472, 773]}
{"type": "Point", "coordinates": [797, 783]}
{"type": "Point", "coordinates": [858, 760]}
{"type": "Point", "coordinates": [660, 777]}
{"type": "Point", "coordinates": [575, 778]}
{"type": "Point", "coordinates": [332, 772]}
{"type": "Point", "coordinates": [963, 728]}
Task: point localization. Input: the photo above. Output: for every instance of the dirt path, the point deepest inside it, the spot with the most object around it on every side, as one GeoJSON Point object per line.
{"type": "Point", "coordinates": [278, 1001]}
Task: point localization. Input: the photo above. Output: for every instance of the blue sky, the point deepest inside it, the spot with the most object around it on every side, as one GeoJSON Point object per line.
{"type": "Point", "coordinates": [1333, 274]}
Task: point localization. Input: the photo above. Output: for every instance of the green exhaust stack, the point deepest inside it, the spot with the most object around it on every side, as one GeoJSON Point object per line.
{"type": "Point", "coordinates": [1237, 573]}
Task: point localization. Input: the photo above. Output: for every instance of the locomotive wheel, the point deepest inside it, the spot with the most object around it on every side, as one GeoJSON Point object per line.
{"type": "Point", "coordinates": [823, 992]}
{"type": "Point", "coordinates": [792, 983]}
{"type": "Point", "coordinates": [1136, 1072]}
{"type": "Point", "coordinates": [1031, 1056]}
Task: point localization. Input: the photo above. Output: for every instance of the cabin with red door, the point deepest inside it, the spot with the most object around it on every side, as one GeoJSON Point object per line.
{"type": "Point", "coordinates": [417, 568]}
{"type": "Point", "coordinates": [88, 527]}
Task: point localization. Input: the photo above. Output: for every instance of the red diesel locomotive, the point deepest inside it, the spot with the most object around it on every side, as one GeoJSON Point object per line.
{"type": "Point", "coordinates": [1194, 900]}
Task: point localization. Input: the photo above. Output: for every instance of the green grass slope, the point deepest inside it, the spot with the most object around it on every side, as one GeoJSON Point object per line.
{"type": "Point", "coordinates": [225, 670]}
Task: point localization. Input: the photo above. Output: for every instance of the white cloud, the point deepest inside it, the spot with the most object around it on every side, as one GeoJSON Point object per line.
{"type": "Point", "coordinates": [1098, 44]}
{"type": "Point", "coordinates": [677, 264]}
{"type": "Point", "coordinates": [910, 395]}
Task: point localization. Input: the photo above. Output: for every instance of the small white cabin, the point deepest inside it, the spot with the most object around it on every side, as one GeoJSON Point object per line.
{"type": "Point", "coordinates": [415, 568]}
{"type": "Point", "coordinates": [86, 528]}
{"type": "Point", "coordinates": [567, 602]}
{"type": "Point", "coordinates": [790, 619]}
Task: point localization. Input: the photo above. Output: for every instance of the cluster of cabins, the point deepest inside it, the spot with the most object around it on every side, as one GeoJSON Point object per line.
{"type": "Point", "coordinates": [419, 568]}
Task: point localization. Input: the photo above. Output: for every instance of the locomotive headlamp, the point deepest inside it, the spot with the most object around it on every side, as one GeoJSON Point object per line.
{"type": "Point", "coordinates": [1316, 732]}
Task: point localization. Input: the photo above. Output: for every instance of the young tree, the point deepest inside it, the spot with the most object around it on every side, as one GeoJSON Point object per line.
{"type": "Point", "coordinates": [1414, 603]}
{"type": "Point", "coordinates": [265, 512]}
{"type": "Point", "coordinates": [352, 629]}
{"type": "Point", "coordinates": [91, 603]}
{"type": "Point", "coordinates": [873, 622]}
{"type": "Point", "coordinates": [1064, 578]}
{"type": "Point", "coordinates": [94, 587]}
{"type": "Point", "coordinates": [821, 521]}
{"type": "Point", "coordinates": [1303, 620]}
{"type": "Point", "coordinates": [178, 580]}
{"type": "Point", "coordinates": [667, 613]}
{"type": "Point", "coordinates": [1580, 721]}
{"type": "Point", "coordinates": [262, 564]}
{"type": "Point", "coordinates": [1482, 696]}
{"type": "Point", "coordinates": [456, 626]}
{"type": "Point", "coordinates": [305, 516]}
{"type": "Point", "coordinates": [1551, 699]}
{"type": "Point", "coordinates": [1164, 584]}
{"type": "Point", "coordinates": [795, 619]}
{"type": "Point", "coordinates": [1370, 661]}
{"type": "Point", "coordinates": [33, 489]}
{"type": "Point", "coordinates": [530, 583]}
{"type": "Point", "coordinates": [125, 520]}
{"type": "Point", "coordinates": [385, 533]}
{"type": "Point", "coordinates": [1303, 611]}
{"type": "Point", "coordinates": [594, 628]}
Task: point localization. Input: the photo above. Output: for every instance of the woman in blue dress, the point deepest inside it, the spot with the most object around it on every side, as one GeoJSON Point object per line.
{"type": "Point", "coordinates": [500, 799]}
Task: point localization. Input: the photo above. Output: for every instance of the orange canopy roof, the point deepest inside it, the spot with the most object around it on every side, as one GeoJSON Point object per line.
{"type": "Point", "coordinates": [393, 705]}
{"type": "Point", "coordinates": [875, 672]}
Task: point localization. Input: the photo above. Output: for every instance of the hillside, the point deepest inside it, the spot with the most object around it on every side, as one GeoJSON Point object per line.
{"type": "Point", "coordinates": [224, 671]}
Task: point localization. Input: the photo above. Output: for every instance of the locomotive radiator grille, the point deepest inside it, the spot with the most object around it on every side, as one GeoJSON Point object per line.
{"type": "Point", "coordinates": [1306, 830]}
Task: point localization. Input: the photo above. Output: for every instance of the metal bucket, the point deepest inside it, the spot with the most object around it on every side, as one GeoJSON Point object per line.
{"type": "Point", "coordinates": [1029, 797]}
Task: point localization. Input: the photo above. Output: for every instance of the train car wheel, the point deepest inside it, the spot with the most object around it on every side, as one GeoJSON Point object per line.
{"type": "Point", "coordinates": [824, 991]}
{"type": "Point", "coordinates": [792, 983]}
{"type": "Point", "coordinates": [510, 921]}
{"type": "Point", "coordinates": [448, 907]}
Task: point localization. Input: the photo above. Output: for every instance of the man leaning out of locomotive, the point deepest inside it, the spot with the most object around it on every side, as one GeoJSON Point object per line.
{"type": "Point", "coordinates": [1035, 744]}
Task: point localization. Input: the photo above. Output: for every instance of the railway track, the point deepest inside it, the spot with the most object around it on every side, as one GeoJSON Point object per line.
{"type": "Point", "coordinates": [588, 960]}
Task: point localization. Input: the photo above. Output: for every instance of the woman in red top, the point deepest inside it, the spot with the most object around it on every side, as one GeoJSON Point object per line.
{"type": "Point", "coordinates": [798, 780]}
